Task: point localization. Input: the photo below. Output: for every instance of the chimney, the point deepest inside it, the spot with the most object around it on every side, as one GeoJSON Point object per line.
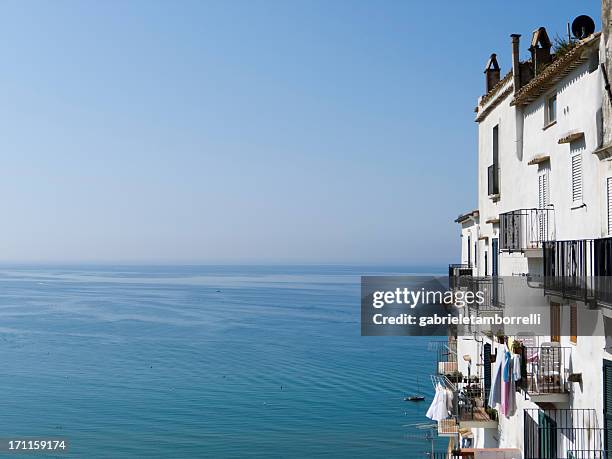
{"type": "Point", "coordinates": [491, 73]}
{"type": "Point", "coordinates": [540, 50]}
{"type": "Point", "coordinates": [516, 70]}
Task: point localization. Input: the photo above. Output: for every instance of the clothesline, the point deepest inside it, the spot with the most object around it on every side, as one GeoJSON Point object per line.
{"type": "Point", "coordinates": [443, 381]}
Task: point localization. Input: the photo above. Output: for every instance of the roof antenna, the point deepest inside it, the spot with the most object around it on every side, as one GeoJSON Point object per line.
{"type": "Point", "coordinates": [582, 27]}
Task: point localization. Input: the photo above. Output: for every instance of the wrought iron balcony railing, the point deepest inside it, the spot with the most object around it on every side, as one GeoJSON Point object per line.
{"type": "Point", "coordinates": [457, 272]}
{"type": "Point", "coordinates": [545, 372]}
{"type": "Point", "coordinates": [492, 289]}
{"type": "Point", "coordinates": [524, 229]}
{"type": "Point", "coordinates": [566, 433]}
{"type": "Point", "coordinates": [446, 357]}
{"type": "Point", "coordinates": [579, 269]}
{"type": "Point", "coordinates": [472, 410]}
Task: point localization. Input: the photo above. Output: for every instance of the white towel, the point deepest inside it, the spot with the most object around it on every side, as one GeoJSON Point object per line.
{"type": "Point", "coordinates": [516, 366]}
{"type": "Point", "coordinates": [437, 410]}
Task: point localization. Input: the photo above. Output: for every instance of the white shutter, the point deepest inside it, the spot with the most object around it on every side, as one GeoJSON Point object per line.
{"type": "Point", "coordinates": [540, 191]}
{"type": "Point", "coordinates": [577, 179]}
{"type": "Point", "coordinates": [610, 206]}
{"type": "Point", "coordinates": [543, 189]}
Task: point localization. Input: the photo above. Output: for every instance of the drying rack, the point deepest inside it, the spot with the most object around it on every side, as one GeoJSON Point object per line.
{"type": "Point", "coordinates": [443, 381]}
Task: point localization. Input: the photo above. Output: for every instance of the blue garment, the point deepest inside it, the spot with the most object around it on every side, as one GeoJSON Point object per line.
{"type": "Point", "coordinates": [507, 366]}
{"type": "Point", "coordinates": [495, 394]}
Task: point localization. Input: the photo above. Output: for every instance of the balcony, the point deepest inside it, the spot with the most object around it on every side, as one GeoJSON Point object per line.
{"type": "Point", "coordinates": [446, 362]}
{"type": "Point", "coordinates": [457, 272]}
{"type": "Point", "coordinates": [546, 372]}
{"type": "Point", "coordinates": [526, 230]}
{"type": "Point", "coordinates": [469, 408]}
{"type": "Point", "coordinates": [579, 269]}
{"type": "Point", "coordinates": [488, 453]}
{"type": "Point", "coordinates": [492, 289]}
{"type": "Point", "coordinates": [472, 412]}
{"type": "Point", "coordinates": [493, 181]}
{"type": "Point", "coordinates": [566, 433]}
{"type": "Point", "coordinates": [448, 428]}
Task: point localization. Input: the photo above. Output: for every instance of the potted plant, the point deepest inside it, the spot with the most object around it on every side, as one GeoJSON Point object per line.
{"type": "Point", "coordinates": [456, 376]}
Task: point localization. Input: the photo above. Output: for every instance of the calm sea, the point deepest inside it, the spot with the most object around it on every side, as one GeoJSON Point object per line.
{"type": "Point", "coordinates": [205, 362]}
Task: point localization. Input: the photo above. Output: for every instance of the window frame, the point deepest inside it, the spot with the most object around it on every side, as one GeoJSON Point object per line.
{"type": "Point", "coordinates": [548, 121]}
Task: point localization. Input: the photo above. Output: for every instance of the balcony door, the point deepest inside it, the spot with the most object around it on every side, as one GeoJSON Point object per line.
{"type": "Point", "coordinates": [486, 357]}
{"type": "Point", "coordinates": [547, 430]}
{"type": "Point", "coordinates": [494, 256]}
{"type": "Point", "coordinates": [469, 252]}
{"type": "Point", "coordinates": [607, 383]}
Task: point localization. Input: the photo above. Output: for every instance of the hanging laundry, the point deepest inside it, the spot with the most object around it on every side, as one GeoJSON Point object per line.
{"type": "Point", "coordinates": [506, 382]}
{"type": "Point", "coordinates": [507, 366]}
{"type": "Point", "coordinates": [516, 367]}
{"type": "Point", "coordinates": [495, 393]}
{"type": "Point", "coordinates": [438, 409]}
{"type": "Point", "coordinates": [449, 401]}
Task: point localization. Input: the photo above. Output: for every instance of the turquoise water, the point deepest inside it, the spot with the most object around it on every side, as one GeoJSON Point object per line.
{"type": "Point", "coordinates": [205, 362]}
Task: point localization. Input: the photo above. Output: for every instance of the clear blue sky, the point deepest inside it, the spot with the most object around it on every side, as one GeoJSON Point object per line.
{"type": "Point", "coordinates": [246, 131]}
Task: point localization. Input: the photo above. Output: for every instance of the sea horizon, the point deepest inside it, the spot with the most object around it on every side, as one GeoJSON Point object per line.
{"type": "Point", "coordinates": [207, 361]}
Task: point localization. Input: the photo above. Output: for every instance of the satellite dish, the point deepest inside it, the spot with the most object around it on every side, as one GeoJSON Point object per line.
{"type": "Point", "coordinates": [583, 26]}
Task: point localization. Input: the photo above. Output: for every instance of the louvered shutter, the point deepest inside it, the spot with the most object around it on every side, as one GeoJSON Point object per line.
{"type": "Point", "coordinates": [577, 179]}
{"type": "Point", "coordinates": [543, 190]}
{"type": "Point", "coordinates": [543, 202]}
{"type": "Point", "coordinates": [607, 377]}
{"type": "Point", "coordinates": [573, 323]}
{"type": "Point", "coordinates": [555, 322]}
{"type": "Point", "coordinates": [610, 206]}
{"type": "Point", "coordinates": [487, 372]}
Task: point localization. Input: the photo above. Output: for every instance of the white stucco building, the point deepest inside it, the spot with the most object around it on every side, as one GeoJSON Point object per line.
{"type": "Point", "coordinates": [543, 220]}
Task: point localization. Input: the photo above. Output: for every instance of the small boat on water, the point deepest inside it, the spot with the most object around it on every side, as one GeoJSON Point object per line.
{"type": "Point", "coordinates": [415, 398]}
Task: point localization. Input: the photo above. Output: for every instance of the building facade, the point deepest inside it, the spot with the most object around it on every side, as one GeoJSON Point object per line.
{"type": "Point", "coordinates": [541, 234]}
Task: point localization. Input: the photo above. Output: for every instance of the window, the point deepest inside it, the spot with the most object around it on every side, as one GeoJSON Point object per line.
{"type": "Point", "coordinates": [573, 323]}
{"type": "Point", "coordinates": [577, 179]}
{"type": "Point", "coordinates": [493, 169]}
{"type": "Point", "coordinates": [543, 188]}
{"type": "Point", "coordinates": [551, 110]}
{"type": "Point", "coordinates": [496, 145]}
